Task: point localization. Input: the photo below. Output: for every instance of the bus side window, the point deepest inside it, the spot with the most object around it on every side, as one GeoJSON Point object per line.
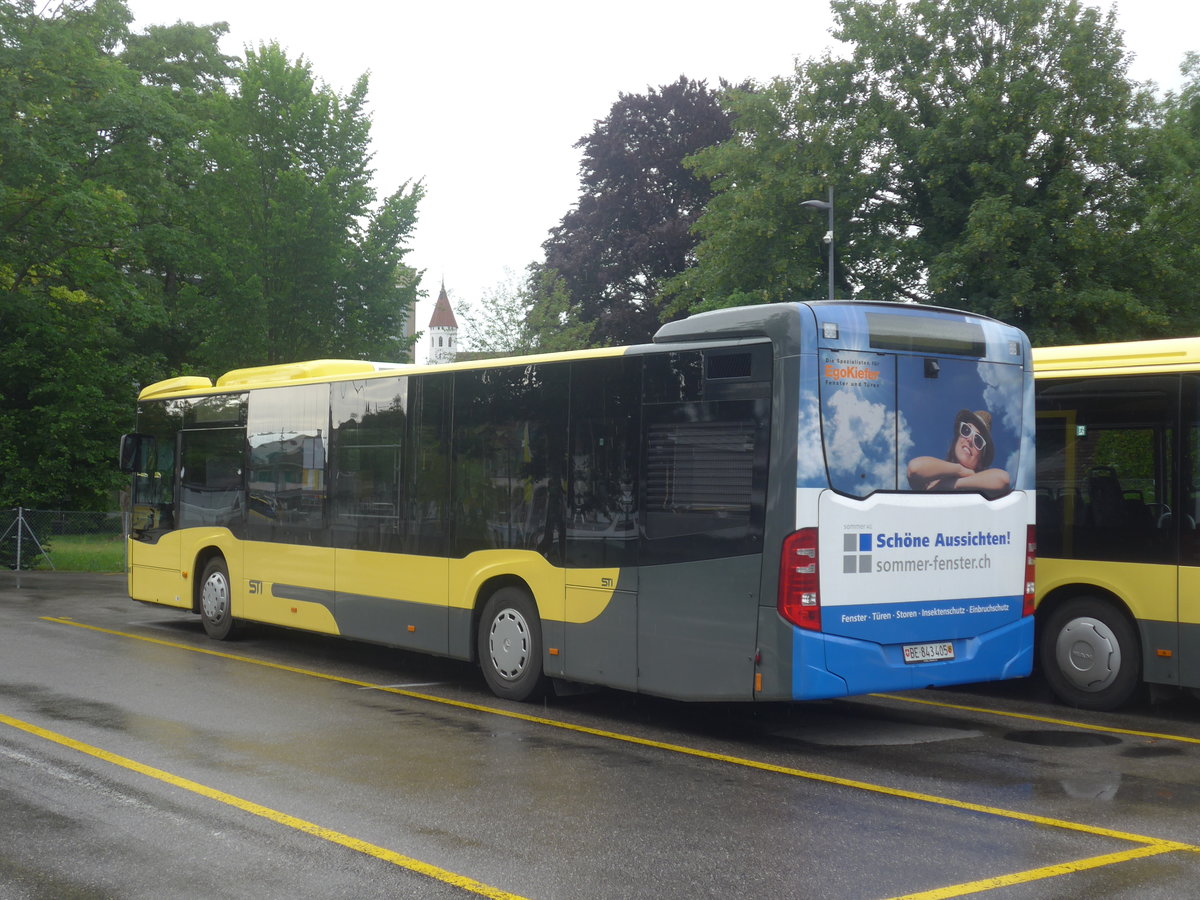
{"type": "Point", "coordinates": [510, 430]}
{"type": "Point", "coordinates": [368, 422]}
{"type": "Point", "coordinates": [1106, 479]}
{"type": "Point", "coordinates": [287, 432]}
{"type": "Point", "coordinates": [1189, 501]}
{"type": "Point", "coordinates": [602, 517]}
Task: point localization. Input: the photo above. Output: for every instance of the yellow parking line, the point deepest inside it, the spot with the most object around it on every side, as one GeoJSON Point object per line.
{"type": "Point", "coordinates": [1046, 720]}
{"type": "Point", "coordinates": [1151, 846]}
{"type": "Point", "coordinates": [1079, 865]}
{"type": "Point", "coordinates": [326, 834]}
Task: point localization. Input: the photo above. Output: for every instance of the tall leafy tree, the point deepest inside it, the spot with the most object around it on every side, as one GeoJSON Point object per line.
{"type": "Point", "coordinates": [983, 154]}
{"type": "Point", "coordinates": [183, 71]}
{"type": "Point", "coordinates": [164, 208]}
{"type": "Point", "coordinates": [630, 228]}
{"type": "Point", "coordinates": [73, 128]}
{"type": "Point", "coordinates": [308, 265]}
{"type": "Point", "coordinates": [1168, 243]}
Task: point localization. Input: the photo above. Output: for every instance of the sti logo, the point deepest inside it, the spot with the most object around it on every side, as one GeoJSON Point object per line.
{"type": "Point", "coordinates": [856, 548]}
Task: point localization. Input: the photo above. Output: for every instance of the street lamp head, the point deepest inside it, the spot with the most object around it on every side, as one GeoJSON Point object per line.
{"type": "Point", "coordinates": [825, 205]}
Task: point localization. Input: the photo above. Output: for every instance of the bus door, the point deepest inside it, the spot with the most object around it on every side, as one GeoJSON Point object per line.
{"type": "Point", "coordinates": [150, 456]}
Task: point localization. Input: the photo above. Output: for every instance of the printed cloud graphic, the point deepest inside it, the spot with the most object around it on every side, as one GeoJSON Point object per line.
{"type": "Point", "coordinates": [861, 441]}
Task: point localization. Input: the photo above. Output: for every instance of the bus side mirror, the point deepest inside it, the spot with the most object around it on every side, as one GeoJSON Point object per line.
{"type": "Point", "coordinates": [132, 446]}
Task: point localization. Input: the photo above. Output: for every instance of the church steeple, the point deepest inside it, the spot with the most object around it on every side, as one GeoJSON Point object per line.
{"type": "Point", "coordinates": [443, 331]}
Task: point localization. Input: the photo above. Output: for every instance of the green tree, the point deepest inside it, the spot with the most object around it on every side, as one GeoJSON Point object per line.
{"type": "Point", "coordinates": [984, 154]}
{"type": "Point", "coordinates": [72, 130]}
{"type": "Point", "coordinates": [630, 228]}
{"type": "Point", "coordinates": [1168, 242]}
{"type": "Point", "coordinates": [164, 208]}
{"type": "Point", "coordinates": [307, 265]}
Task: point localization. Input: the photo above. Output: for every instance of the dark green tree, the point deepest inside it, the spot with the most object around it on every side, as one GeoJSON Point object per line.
{"type": "Point", "coordinates": [630, 228]}
{"type": "Point", "coordinates": [165, 209]}
{"type": "Point", "coordinates": [984, 154]}
{"type": "Point", "coordinates": [1168, 243]}
{"type": "Point", "coordinates": [73, 131]}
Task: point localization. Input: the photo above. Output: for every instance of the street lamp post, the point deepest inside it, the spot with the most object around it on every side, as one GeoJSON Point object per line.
{"type": "Point", "coordinates": [822, 204]}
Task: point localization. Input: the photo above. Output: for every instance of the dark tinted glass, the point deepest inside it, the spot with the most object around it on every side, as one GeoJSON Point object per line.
{"type": "Point", "coordinates": [1106, 476]}
{"type": "Point", "coordinates": [426, 482]}
{"type": "Point", "coordinates": [221, 411]}
{"type": "Point", "coordinates": [154, 470]}
{"type": "Point", "coordinates": [211, 478]}
{"type": "Point", "coordinates": [674, 377]}
{"type": "Point", "coordinates": [602, 523]}
{"type": "Point", "coordinates": [369, 422]}
{"type": "Point", "coordinates": [704, 458]}
{"type": "Point", "coordinates": [510, 431]}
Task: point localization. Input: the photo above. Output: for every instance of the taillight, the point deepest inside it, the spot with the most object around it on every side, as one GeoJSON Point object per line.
{"type": "Point", "coordinates": [1030, 570]}
{"type": "Point", "coordinates": [799, 588]}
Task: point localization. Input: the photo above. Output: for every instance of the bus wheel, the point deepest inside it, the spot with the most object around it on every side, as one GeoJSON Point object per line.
{"type": "Point", "coordinates": [215, 609]}
{"type": "Point", "coordinates": [510, 645]}
{"type": "Point", "coordinates": [1090, 655]}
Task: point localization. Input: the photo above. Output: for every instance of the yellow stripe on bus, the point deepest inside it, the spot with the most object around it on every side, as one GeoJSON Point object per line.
{"type": "Point", "coordinates": [326, 834]}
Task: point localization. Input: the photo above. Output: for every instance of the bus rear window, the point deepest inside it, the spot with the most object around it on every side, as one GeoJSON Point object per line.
{"type": "Point", "coordinates": [926, 335]}
{"type": "Point", "coordinates": [919, 423]}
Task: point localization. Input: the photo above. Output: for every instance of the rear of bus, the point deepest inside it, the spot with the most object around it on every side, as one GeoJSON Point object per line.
{"type": "Point", "coordinates": [907, 560]}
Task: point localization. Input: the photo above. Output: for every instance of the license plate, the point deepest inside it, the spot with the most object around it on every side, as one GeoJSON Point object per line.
{"type": "Point", "coordinates": [919, 653]}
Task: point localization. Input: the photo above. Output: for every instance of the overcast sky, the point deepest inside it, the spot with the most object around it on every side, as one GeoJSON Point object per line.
{"type": "Point", "coordinates": [484, 101]}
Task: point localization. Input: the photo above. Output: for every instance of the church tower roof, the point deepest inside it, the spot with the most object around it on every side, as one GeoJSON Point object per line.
{"type": "Point", "coordinates": [443, 315]}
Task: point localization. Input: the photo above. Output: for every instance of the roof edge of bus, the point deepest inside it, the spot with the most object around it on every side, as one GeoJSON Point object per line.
{"type": "Point", "coordinates": [766, 318]}
{"type": "Point", "coordinates": [733, 321]}
{"type": "Point", "coordinates": [184, 384]}
{"type": "Point", "coordinates": [318, 370]}
{"type": "Point", "coordinates": [308, 370]}
{"type": "Point", "coordinates": [1162, 353]}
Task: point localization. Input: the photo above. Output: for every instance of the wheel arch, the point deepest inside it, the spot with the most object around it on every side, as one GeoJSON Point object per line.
{"type": "Point", "coordinates": [483, 593]}
{"type": "Point", "coordinates": [203, 557]}
{"type": "Point", "coordinates": [1068, 592]}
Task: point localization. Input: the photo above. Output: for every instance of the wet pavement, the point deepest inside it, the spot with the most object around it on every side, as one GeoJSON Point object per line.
{"type": "Point", "coordinates": [140, 759]}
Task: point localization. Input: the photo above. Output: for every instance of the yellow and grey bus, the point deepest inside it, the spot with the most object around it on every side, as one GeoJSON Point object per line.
{"type": "Point", "coordinates": [1118, 578]}
{"type": "Point", "coordinates": [779, 502]}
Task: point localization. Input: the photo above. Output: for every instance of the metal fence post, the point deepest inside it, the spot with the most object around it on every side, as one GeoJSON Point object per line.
{"type": "Point", "coordinates": [20, 528]}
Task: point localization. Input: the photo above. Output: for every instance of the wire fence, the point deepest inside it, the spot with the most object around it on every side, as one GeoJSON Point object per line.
{"type": "Point", "coordinates": [63, 540]}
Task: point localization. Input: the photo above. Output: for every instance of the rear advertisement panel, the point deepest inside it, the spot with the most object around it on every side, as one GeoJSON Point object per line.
{"type": "Point", "coordinates": [922, 537]}
{"type": "Point", "coordinates": [893, 571]}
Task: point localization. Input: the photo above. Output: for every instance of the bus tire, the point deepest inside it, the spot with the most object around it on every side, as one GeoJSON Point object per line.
{"type": "Point", "coordinates": [1090, 655]}
{"type": "Point", "coordinates": [510, 645]}
{"type": "Point", "coordinates": [216, 611]}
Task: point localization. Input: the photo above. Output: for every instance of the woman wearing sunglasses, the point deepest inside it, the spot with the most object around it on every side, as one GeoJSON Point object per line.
{"type": "Point", "coordinates": [965, 467]}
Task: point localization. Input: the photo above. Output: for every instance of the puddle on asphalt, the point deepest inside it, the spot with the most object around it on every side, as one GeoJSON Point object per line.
{"type": "Point", "coordinates": [871, 733]}
{"type": "Point", "coordinates": [1063, 738]}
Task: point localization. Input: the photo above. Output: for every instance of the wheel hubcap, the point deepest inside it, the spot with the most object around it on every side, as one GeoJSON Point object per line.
{"type": "Point", "coordinates": [508, 644]}
{"type": "Point", "coordinates": [1088, 654]}
{"type": "Point", "coordinates": [214, 598]}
